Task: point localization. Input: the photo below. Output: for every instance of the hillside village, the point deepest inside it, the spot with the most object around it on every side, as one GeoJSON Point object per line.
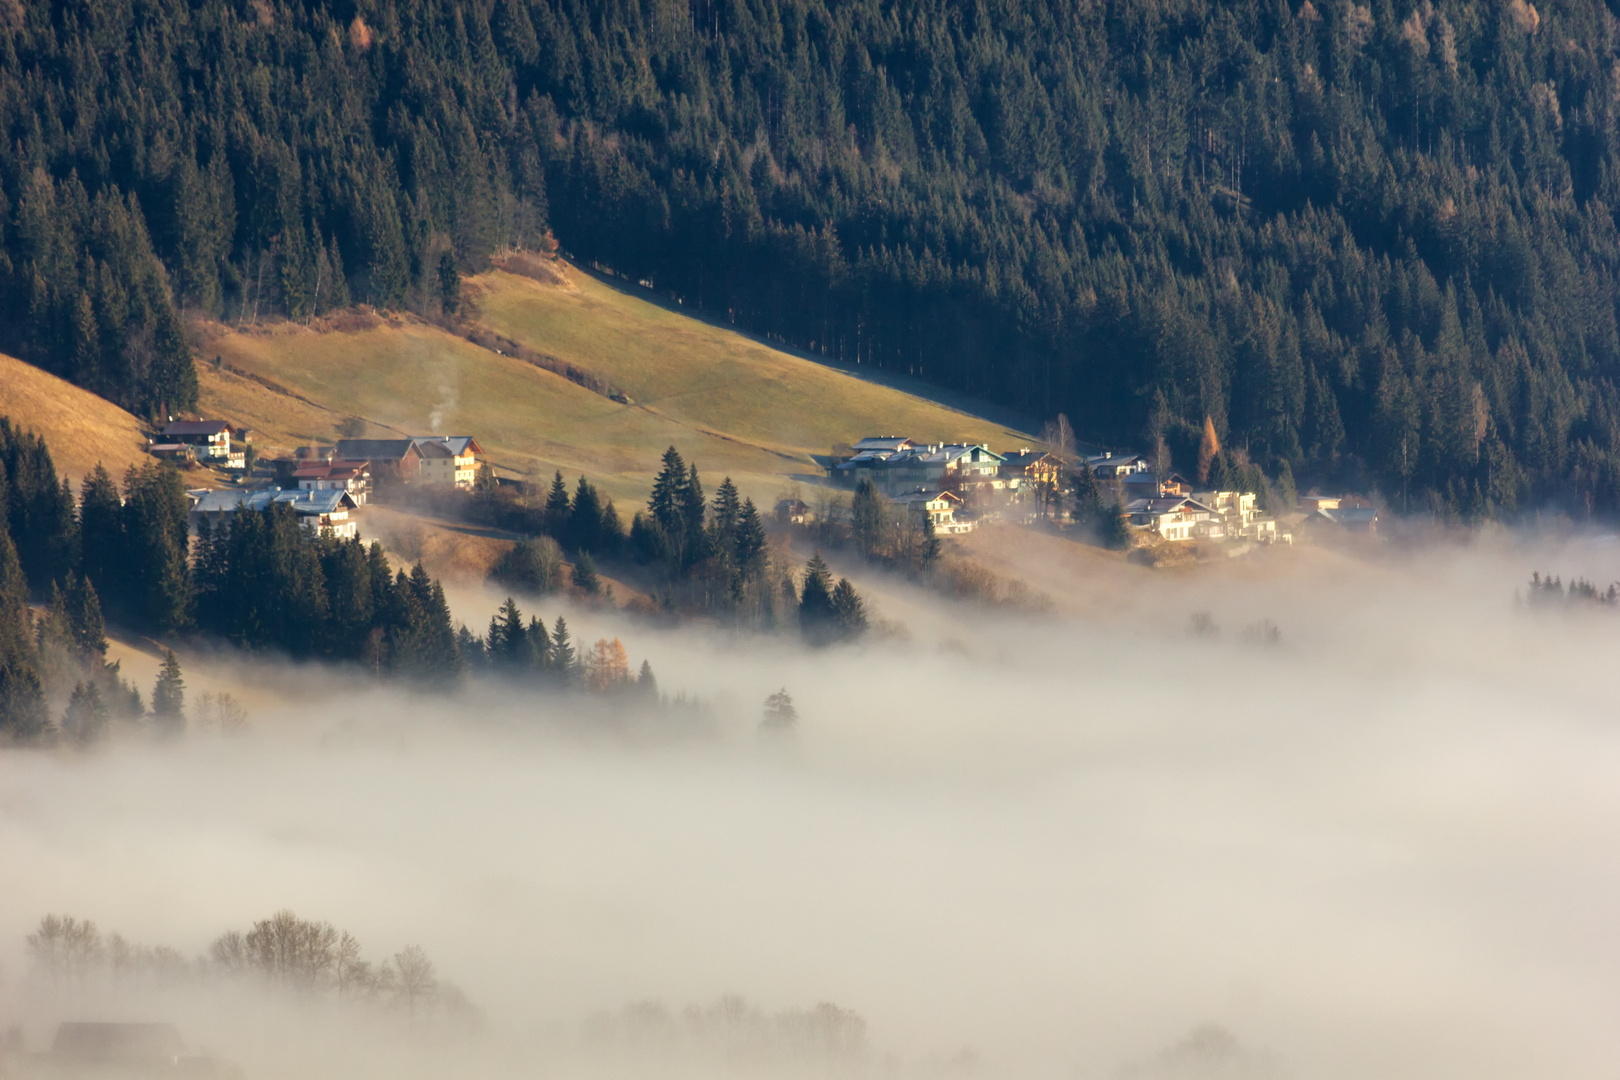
{"type": "Point", "coordinates": [958, 486]}
{"type": "Point", "coordinates": [953, 487]}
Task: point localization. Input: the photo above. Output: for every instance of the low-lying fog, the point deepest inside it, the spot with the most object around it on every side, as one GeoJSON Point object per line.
{"type": "Point", "coordinates": [1017, 846]}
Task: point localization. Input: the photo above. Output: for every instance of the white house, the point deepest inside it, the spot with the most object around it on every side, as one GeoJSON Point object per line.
{"type": "Point", "coordinates": [938, 506]}
{"type": "Point", "coordinates": [353, 477]}
{"type": "Point", "coordinates": [1176, 518]}
{"type": "Point", "coordinates": [317, 511]}
{"type": "Point", "coordinates": [1240, 515]}
{"type": "Point", "coordinates": [1111, 466]}
{"type": "Point", "coordinates": [210, 440]}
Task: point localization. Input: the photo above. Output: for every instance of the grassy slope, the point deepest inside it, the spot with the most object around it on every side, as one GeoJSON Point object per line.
{"type": "Point", "coordinates": [80, 427]}
{"type": "Point", "coordinates": [729, 404]}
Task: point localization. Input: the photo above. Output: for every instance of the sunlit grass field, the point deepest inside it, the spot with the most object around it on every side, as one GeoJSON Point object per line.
{"type": "Point", "coordinates": [729, 404]}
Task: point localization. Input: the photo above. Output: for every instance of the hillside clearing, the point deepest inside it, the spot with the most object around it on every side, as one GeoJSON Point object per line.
{"type": "Point", "coordinates": [731, 405]}
{"type": "Point", "coordinates": [81, 428]}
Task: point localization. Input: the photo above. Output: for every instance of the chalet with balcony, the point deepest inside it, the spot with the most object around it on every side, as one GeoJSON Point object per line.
{"type": "Point", "coordinates": [323, 512]}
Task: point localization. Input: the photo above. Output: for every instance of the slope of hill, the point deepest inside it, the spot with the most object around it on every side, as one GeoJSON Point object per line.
{"type": "Point", "coordinates": [731, 405]}
{"type": "Point", "coordinates": [80, 427]}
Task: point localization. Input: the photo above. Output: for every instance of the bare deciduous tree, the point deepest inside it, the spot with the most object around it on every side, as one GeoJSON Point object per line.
{"type": "Point", "coordinates": [416, 981]}
{"type": "Point", "coordinates": [65, 946]}
{"type": "Point", "coordinates": [288, 949]}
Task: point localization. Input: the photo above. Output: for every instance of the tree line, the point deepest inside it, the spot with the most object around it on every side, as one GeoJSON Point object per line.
{"type": "Point", "coordinates": [712, 555]}
{"type": "Point", "coordinates": [1371, 243]}
{"type": "Point", "coordinates": [259, 582]}
{"type": "Point", "coordinates": [282, 953]}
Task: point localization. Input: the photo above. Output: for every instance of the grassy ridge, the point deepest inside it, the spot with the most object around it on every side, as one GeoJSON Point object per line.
{"type": "Point", "coordinates": [730, 404]}
{"type": "Point", "coordinates": [80, 427]}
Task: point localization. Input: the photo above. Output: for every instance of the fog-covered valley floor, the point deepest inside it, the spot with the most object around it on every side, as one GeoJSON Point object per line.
{"type": "Point", "coordinates": [1090, 843]}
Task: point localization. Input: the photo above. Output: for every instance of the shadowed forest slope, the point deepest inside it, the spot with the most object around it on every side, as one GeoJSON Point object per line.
{"type": "Point", "coordinates": [1373, 242]}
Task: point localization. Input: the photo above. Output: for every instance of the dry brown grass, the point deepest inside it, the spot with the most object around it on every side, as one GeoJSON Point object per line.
{"type": "Point", "coordinates": [81, 428]}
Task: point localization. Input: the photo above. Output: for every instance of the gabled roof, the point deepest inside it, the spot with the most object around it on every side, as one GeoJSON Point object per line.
{"type": "Point", "coordinates": [924, 496]}
{"type": "Point", "coordinates": [944, 455]}
{"type": "Point", "coordinates": [890, 443]}
{"type": "Point", "coordinates": [1166, 506]}
{"type": "Point", "coordinates": [330, 470]}
{"type": "Point", "coordinates": [196, 427]}
{"type": "Point", "coordinates": [446, 445]}
{"type": "Point", "coordinates": [375, 449]}
{"type": "Point", "coordinates": [867, 459]}
{"type": "Point", "coordinates": [1114, 461]}
{"type": "Point", "coordinates": [1024, 458]}
{"type": "Point", "coordinates": [1348, 515]}
{"type": "Point", "coordinates": [1147, 477]}
{"type": "Point", "coordinates": [302, 502]}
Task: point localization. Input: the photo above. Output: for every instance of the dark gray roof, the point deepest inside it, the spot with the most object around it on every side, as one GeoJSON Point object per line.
{"type": "Point", "coordinates": [232, 500]}
{"type": "Point", "coordinates": [1349, 515]}
{"type": "Point", "coordinates": [196, 427]}
{"type": "Point", "coordinates": [373, 449]}
{"type": "Point", "coordinates": [431, 445]}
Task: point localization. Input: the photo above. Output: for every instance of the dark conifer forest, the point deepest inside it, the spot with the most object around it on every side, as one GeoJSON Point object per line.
{"type": "Point", "coordinates": [1374, 243]}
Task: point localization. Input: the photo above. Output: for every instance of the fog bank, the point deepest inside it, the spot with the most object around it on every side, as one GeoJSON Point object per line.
{"type": "Point", "coordinates": [1060, 842]}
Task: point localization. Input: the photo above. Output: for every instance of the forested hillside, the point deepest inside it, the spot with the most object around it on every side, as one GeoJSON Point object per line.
{"type": "Point", "coordinates": [1374, 243]}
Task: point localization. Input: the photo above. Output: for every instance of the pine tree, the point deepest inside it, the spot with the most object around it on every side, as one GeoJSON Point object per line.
{"type": "Point", "coordinates": [157, 538]}
{"type": "Point", "coordinates": [780, 715]}
{"type": "Point", "coordinates": [471, 649]}
{"type": "Point", "coordinates": [86, 716]}
{"type": "Point", "coordinates": [23, 717]}
{"type": "Point", "coordinates": [556, 510]}
{"type": "Point", "coordinates": [646, 682]}
{"type": "Point", "coordinates": [748, 549]}
{"type": "Point", "coordinates": [508, 639]}
{"type": "Point", "coordinates": [693, 510]}
{"type": "Point", "coordinates": [585, 576]}
{"type": "Point", "coordinates": [848, 610]}
{"type": "Point", "coordinates": [723, 521]}
{"type": "Point", "coordinates": [584, 518]}
{"type": "Point", "coordinates": [169, 695]}
{"type": "Point", "coordinates": [669, 496]}
{"type": "Point", "coordinates": [930, 541]}
{"type": "Point", "coordinates": [817, 618]}
{"type": "Point", "coordinates": [539, 646]}
{"type": "Point", "coordinates": [564, 663]}
{"type": "Point", "coordinates": [867, 516]}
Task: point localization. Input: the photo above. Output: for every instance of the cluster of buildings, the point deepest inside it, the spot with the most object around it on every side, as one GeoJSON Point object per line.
{"type": "Point", "coordinates": [957, 484]}
{"type": "Point", "coordinates": [1169, 508]}
{"type": "Point", "coordinates": [939, 480]}
{"type": "Point", "coordinates": [323, 486]}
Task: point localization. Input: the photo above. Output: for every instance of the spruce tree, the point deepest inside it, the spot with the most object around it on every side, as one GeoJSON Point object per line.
{"type": "Point", "coordinates": [748, 549]}
{"type": "Point", "coordinates": [780, 715]}
{"type": "Point", "coordinates": [556, 509]}
{"type": "Point", "coordinates": [723, 521]}
{"type": "Point", "coordinates": [693, 510]}
{"type": "Point", "coordinates": [867, 513]}
{"type": "Point", "coordinates": [169, 695]}
{"type": "Point", "coordinates": [669, 496]}
{"type": "Point", "coordinates": [817, 619]}
{"type": "Point", "coordinates": [508, 639]}
{"type": "Point", "coordinates": [101, 533]}
{"type": "Point", "coordinates": [646, 682]}
{"type": "Point", "coordinates": [86, 715]}
{"type": "Point", "coordinates": [586, 579]}
{"type": "Point", "coordinates": [23, 717]}
{"type": "Point", "coordinates": [848, 611]}
{"type": "Point", "coordinates": [584, 518]}
{"type": "Point", "coordinates": [539, 645]}
{"type": "Point", "coordinates": [564, 661]}
{"type": "Point", "coordinates": [930, 541]}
